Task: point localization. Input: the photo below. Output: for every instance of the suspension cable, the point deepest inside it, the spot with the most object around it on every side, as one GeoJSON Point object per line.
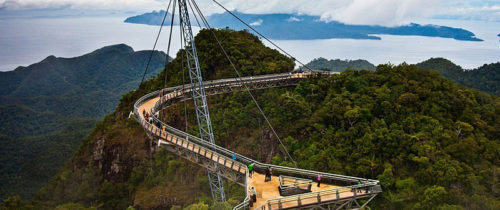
{"type": "Point", "coordinates": [156, 41]}
{"type": "Point", "coordinates": [243, 84]}
{"type": "Point", "coordinates": [194, 14]}
{"type": "Point", "coordinates": [253, 29]}
{"type": "Point", "coordinates": [183, 83]}
{"type": "Point", "coordinates": [169, 41]}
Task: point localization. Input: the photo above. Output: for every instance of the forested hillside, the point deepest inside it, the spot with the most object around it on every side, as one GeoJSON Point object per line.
{"type": "Point", "coordinates": [340, 65]}
{"type": "Point", "coordinates": [433, 144]}
{"type": "Point", "coordinates": [485, 78]}
{"type": "Point", "coordinates": [48, 107]}
{"type": "Point", "coordinates": [116, 166]}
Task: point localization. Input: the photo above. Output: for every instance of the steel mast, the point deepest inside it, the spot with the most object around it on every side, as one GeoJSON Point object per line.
{"type": "Point", "coordinates": [199, 97]}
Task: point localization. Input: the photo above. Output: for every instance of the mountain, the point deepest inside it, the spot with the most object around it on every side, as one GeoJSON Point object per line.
{"type": "Point", "coordinates": [48, 107]}
{"type": "Point", "coordinates": [485, 78]}
{"type": "Point", "coordinates": [340, 65]}
{"type": "Point", "coordinates": [291, 26]}
{"type": "Point", "coordinates": [432, 143]}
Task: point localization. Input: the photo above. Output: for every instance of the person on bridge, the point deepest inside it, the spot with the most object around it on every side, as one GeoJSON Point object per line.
{"type": "Point", "coordinates": [250, 170]}
{"type": "Point", "coordinates": [234, 157]}
{"type": "Point", "coordinates": [268, 174]}
{"type": "Point", "coordinates": [163, 127]}
{"type": "Point", "coordinates": [359, 186]}
{"type": "Point", "coordinates": [254, 194]}
{"type": "Point", "coordinates": [319, 179]}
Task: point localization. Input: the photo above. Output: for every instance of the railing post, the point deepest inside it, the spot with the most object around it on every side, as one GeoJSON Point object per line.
{"type": "Point", "coordinates": [338, 195]}
{"type": "Point", "coordinates": [299, 202]}
{"type": "Point", "coordinates": [280, 206]}
{"type": "Point", "coordinates": [319, 198]}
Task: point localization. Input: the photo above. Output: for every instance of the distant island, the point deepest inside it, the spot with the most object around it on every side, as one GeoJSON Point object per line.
{"type": "Point", "coordinates": [306, 27]}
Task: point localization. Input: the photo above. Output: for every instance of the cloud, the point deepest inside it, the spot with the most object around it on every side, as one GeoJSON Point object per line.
{"type": "Point", "coordinates": [487, 13]}
{"type": "Point", "coordinates": [385, 12]}
{"type": "Point", "coordinates": [371, 12]}
{"type": "Point", "coordinates": [293, 19]}
{"type": "Point", "coordinates": [257, 23]}
{"type": "Point", "coordinates": [83, 4]}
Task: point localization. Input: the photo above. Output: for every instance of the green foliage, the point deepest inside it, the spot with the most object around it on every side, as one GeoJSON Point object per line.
{"type": "Point", "coordinates": [339, 65]}
{"type": "Point", "coordinates": [73, 206]}
{"type": "Point", "coordinates": [432, 198]}
{"type": "Point", "coordinates": [485, 78]}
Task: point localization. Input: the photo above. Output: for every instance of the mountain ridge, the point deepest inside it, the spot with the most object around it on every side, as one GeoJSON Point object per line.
{"type": "Point", "coordinates": [340, 65]}
{"type": "Point", "coordinates": [485, 78]}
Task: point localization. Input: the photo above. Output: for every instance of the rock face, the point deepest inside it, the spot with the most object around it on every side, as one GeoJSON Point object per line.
{"type": "Point", "coordinates": [98, 151]}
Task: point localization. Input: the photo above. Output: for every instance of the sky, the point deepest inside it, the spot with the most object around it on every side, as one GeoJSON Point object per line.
{"type": "Point", "coordinates": [369, 12]}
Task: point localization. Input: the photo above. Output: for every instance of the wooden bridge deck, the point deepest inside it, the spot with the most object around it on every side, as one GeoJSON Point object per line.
{"type": "Point", "coordinates": [269, 190]}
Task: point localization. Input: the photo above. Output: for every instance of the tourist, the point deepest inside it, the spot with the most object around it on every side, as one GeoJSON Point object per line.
{"type": "Point", "coordinates": [319, 179]}
{"type": "Point", "coordinates": [250, 170]}
{"type": "Point", "coordinates": [268, 174]}
{"type": "Point", "coordinates": [254, 195]}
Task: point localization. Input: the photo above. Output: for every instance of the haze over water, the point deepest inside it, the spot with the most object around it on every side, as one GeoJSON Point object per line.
{"type": "Point", "coordinates": [24, 41]}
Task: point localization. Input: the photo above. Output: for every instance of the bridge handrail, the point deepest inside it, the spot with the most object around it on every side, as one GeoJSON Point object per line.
{"type": "Point", "coordinates": [247, 160]}
{"type": "Point", "coordinates": [317, 195]}
{"type": "Point", "coordinates": [246, 200]}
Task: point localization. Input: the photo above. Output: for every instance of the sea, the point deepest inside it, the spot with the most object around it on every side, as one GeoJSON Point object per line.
{"type": "Point", "coordinates": [24, 41]}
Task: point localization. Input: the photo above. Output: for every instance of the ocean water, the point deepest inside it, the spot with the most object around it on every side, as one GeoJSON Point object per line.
{"type": "Point", "coordinates": [409, 49]}
{"type": "Point", "coordinates": [24, 41]}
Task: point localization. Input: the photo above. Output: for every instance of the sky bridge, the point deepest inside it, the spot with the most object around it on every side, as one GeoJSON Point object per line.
{"type": "Point", "coordinates": [289, 188]}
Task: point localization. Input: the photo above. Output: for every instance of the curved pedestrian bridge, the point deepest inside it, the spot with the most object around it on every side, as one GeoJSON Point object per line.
{"type": "Point", "coordinates": [289, 188]}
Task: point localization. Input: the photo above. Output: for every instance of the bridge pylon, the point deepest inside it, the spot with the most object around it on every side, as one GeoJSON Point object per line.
{"type": "Point", "coordinates": [199, 96]}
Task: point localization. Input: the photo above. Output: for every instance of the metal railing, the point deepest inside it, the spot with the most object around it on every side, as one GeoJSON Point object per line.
{"type": "Point", "coordinates": [293, 181]}
{"type": "Point", "coordinates": [349, 182]}
{"type": "Point", "coordinates": [293, 185]}
{"type": "Point", "coordinates": [333, 194]}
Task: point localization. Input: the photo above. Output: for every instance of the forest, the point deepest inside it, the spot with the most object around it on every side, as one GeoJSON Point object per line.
{"type": "Point", "coordinates": [485, 78]}
{"type": "Point", "coordinates": [432, 143]}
